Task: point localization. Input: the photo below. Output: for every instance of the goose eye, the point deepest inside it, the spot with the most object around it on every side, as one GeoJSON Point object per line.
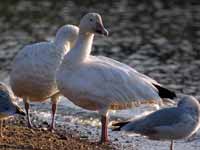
{"type": "Point", "coordinates": [91, 19]}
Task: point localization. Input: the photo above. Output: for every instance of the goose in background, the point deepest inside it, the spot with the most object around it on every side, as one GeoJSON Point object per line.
{"type": "Point", "coordinates": [7, 107]}
{"type": "Point", "coordinates": [168, 123]}
{"type": "Point", "coordinates": [99, 83]}
{"type": "Point", "coordinates": [33, 74]}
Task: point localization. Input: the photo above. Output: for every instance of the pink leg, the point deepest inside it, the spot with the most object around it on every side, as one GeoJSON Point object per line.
{"type": "Point", "coordinates": [1, 126]}
{"type": "Point", "coordinates": [54, 100]}
{"type": "Point", "coordinates": [52, 127]}
{"type": "Point", "coordinates": [104, 130]}
{"type": "Point", "coordinates": [172, 145]}
{"type": "Point", "coordinates": [26, 105]}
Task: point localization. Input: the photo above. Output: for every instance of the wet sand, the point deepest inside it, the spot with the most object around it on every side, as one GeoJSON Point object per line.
{"type": "Point", "coordinates": [18, 137]}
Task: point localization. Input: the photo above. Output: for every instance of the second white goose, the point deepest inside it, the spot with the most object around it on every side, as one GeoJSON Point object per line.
{"type": "Point", "coordinates": [33, 75]}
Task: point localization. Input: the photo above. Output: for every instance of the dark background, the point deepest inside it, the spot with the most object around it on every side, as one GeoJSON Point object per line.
{"type": "Point", "coordinates": [159, 38]}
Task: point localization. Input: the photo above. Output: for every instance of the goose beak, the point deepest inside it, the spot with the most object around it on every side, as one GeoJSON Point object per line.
{"type": "Point", "coordinates": [100, 29]}
{"type": "Point", "coordinates": [105, 32]}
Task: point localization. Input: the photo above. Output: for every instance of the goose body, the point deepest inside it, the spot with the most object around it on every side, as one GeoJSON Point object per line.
{"type": "Point", "coordinates": [101, 83]}
{"type": "Point", "coordinates": [33, 75]}
{"type": "Point", "coordinates": [33, 71]}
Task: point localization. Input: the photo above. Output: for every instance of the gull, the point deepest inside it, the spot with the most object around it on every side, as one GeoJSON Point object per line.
{"type": "Point", "coordinates": [168, 123]}
{"type": "Point", "coordinates": [7, 107]}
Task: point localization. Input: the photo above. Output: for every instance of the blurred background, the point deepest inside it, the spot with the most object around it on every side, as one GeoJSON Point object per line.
{"type": "Point", "coordinates": [159, 38]}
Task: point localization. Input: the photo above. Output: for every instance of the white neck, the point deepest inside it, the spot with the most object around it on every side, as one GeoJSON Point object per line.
{"type": "Point", "coordinates": [81, 50]}
{"type": "Point", "coordinates": [62, 46]}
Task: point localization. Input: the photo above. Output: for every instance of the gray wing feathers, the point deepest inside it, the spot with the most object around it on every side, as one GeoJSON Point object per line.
{"type": "Point", "coordinates": [149, 123]}
{"type": "Point", "coordinates": [5, 101]}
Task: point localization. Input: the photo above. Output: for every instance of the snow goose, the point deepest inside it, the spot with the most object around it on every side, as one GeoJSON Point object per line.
{"type": "Point", "coordinates": [7, 107]}
{"type": "Point", "coordinates": [33, 75]}
{"type": "Point", "coordinates": [168, 123]}
{"type": "Point", "coordinates": [101, 83]}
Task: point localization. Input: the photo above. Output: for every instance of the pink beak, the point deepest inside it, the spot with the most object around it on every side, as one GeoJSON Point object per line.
{"type": "Point", "coordinates": [100, 29]}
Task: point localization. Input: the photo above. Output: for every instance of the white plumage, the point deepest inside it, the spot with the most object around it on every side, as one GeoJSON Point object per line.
{"type": "Point", "coordinates": [34, 68]}
{"type": "Point", "coordinates": [100, 83]}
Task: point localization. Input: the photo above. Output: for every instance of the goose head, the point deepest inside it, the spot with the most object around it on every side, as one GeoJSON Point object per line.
{"type": "Point", "coordinates": [92, 23]}
{"type": "Point", "coordinates": [66, 36]}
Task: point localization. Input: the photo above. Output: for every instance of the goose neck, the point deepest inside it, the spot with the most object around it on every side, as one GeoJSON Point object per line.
{"type": "Point", "coordinates": [62, 46]}
{"type": "Point", "coordinates": [82, 48]}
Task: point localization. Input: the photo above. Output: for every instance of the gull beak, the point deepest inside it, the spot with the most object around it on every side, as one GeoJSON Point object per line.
{"type": "Point", "coordinates": [20, 111]}
{"type": "Point", "coordinates": [100, 29]}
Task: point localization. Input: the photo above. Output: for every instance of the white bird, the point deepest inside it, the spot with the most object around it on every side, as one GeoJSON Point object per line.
{"type": "Point", "coordinates": [168, 123]}
{"type": "Point", "coordinates": [101, 83]}
{"type": "Point", "coordinates": [7, 107]}
{"type": "Point", "coordinates": [33, 75]}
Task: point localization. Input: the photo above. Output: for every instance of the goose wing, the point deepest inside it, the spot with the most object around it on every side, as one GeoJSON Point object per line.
{"type": "Point", "coordinates": [113, 83]}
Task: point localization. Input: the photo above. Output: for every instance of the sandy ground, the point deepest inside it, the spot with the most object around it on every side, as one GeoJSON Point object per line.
{"type": "Point", "coordinates": [80, 129]}
{"type": "Point", "coordinates": [19, 137]}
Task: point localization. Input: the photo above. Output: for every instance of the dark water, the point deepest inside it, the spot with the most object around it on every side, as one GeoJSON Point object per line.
{"type": "Point", "coordinates": [159, 38]}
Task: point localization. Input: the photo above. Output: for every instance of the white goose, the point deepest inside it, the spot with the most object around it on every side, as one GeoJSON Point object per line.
{"type": "Point", "coordinates": [33, 75]}
{"type": "Point", "coordinates": [101, 83]}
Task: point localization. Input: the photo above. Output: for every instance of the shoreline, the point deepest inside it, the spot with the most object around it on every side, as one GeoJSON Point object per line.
{"type": "Point", "coordinates": [18, 136]}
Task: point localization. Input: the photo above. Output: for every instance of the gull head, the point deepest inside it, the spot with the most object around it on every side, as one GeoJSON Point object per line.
{"type": "Point", "coordinates": [92, 23]}
{"type": "Point", "coordinates": [6, 91]}
{"type": "Point", "coordinates": [6, 100]}
{"type": "Point", "coordinates": [188, 101]}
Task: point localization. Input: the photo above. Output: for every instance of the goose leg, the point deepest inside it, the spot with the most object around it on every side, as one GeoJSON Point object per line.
{"type": "Point", "coordinates": [54, 100]}
{"type": "Point", "coordinates": [1, 128]}
{"type": "Point", "coordinates": [26, 105]}
{"type": "Point", "coordinates": [104, 130]}
{"type": "Point", "coordinates": [172, 145]}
